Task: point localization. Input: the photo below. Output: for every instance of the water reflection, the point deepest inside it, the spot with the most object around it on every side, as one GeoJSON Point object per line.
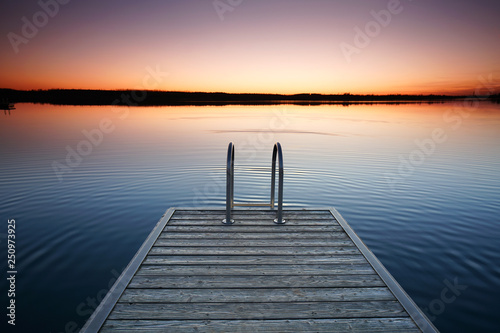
{"type": "Point", "coordinates": [439, 223]}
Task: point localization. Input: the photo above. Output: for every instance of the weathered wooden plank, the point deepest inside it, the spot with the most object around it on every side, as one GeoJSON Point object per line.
{"type": "Point", "coordinates": [253, 242]}
{"type": "Point", "coordinates": [389, 325]}
{"type": "Point", "coordinates": [252, 222]}
{"type": "Point", "coordinates": [257, 281]}
{"type": "Point", "coordinates": [256, 295]}
{"type": "Point", "coordinates": [254, 211]}
{"type": "Point", "coordinates": [249, 235]}
{"type": "Point", "coordinates": [252, 260]}
{"type": "Point", "coordinates": [325, 269]}
{"type": "Point", "coordinates": [255, 229]}
{"type": "Point", "coordinates": [251, 212]}
{"type": "Point", "coordinates": [263, 218]}
{"type": "Point", "coordinates": [159, 250]}
{"type": "Point", "coordinates": [300, 310]}
{"type": "Point", "coordinates": [254, 275]}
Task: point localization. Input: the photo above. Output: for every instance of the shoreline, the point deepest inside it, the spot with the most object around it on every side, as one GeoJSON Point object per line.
{"type": "Point", "coordinates": [169, 98]}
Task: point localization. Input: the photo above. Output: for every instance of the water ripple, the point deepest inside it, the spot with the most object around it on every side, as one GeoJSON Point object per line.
{"type": "Point", "coordinates": [439, 223]}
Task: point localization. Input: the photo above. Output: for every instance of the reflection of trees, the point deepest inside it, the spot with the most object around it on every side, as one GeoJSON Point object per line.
{"type": "Point", "coordinates": [6, 106]}
{"type": "Point", "coordinates": [495, 98]}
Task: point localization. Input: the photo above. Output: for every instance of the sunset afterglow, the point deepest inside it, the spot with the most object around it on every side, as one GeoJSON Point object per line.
{"type": "Point", "coordinates": [272, 46]}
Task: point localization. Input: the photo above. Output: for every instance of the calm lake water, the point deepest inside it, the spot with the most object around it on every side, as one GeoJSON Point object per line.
{"type": "Point", "coordinates": [419, 183]}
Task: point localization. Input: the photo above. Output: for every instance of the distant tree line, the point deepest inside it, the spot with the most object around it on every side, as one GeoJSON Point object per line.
{"type": "Point", "coordinates": [158, 98]}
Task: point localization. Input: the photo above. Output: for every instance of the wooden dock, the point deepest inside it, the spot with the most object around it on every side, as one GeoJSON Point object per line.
{"type": "Point", "coordinates": [312, 274]}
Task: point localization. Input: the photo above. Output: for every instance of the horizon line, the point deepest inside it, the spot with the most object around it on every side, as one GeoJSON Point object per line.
{"type": "Point", "coordinates": [436, 94]}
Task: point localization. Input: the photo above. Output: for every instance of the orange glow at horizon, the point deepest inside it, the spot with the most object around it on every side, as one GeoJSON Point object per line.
{"type": "Point", "coordinates": [283, 47]}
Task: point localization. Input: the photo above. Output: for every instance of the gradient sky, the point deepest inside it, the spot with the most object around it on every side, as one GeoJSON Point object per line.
{"type": "Point", "coordinates": [261, 46]}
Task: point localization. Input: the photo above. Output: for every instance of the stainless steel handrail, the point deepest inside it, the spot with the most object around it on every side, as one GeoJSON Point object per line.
{"type": "Point", "coordinates": [277, 151]}
{"type": "Point", "coordinates": [229, 184]}
{"type": "Point", "coordinates": [230, 204]}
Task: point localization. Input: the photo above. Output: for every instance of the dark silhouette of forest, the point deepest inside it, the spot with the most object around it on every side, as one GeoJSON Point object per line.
{"type": "Point", "coordinates": [160, 98]}
{"type": "Point", "coordinates": [495, 98]}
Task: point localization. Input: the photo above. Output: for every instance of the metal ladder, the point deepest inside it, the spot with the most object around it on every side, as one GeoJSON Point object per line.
{"type": "Point", "coordinates": [230, 204]}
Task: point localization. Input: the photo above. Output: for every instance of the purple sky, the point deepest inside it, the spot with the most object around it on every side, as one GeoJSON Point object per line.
{"type": "Point", "coordinates": [270, 46]}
